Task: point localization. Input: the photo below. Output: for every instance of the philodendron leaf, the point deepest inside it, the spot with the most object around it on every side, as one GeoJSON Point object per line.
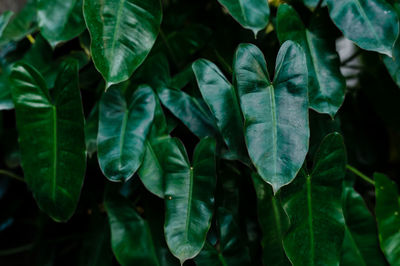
{"type": "Point", "coordinates": [60, 20]}
{"type": "Point", "coordinates": [223, 101]}
{"type": "Point", "coordinates": [251, 14]}
{"type": "Point", "coordinates": [131, 239]}
{"type": "Point", "coordinates": [314, 206]}
{"type": "Point", "coordinates": [275, 113]}
{"type": "Point", "coordinates": [360, 245]}
{"type": "Point", "coordinates": [393, 63]}
{"type": "Point", "coordinates": [326, 84]}
{"type": "Point", "coordinates": [51, 137]}
{"type": "Point", "coordinates": [123, 130]}
{"type": "Point", "coordinates": [122, 33]}
{"type": "Point", "coordinates": [4, 19]}
{"type": "Point", "coordinates": [189, 194]}
{"type": "Point", "coordinates": [372, 25]}
{"type": "Point", "coordinates": [387, 211]}
{"type": "Point", "coordinates": [273, 222]}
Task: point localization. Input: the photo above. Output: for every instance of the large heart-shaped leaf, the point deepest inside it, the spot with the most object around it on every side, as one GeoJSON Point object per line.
{"type": "Point", "coordinates": [122, 33]}
{"type": "Point", "coordinates": [326, 85]}
{"type": "Point", "coordinates": [51, 137]}
{"type": "Point", "coordinates": [189, 194]}
{"type": "Point", "coordinates": [387, 211]}
{"type": "Point", "coordinates": [123, 130]}
{"type": "Point", "coordinates": [251, 14]}
{"type": "Point", "coordinates": [60, 20]}
{"type": "Point", "coordinates": [371, 24]}
{"type": "Point", "coordinates": [223, 101]}
{"type": "Point", "coordinates": [273, 222]}
{"type": "Point", "coordinates": [275, 113]}
{"type": "Point", "coordinates": [360, 245]}
{"type": "Point", "coordinates": [314, 206]}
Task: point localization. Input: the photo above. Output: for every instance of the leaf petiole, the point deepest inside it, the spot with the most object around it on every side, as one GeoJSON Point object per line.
{"type": "Point", "coordinates": [358, 173]}
{"type": "Point", "coordinates": [12, 175]}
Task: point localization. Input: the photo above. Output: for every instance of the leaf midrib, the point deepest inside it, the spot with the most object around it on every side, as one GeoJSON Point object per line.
{"type": "Point", "coordinates": [122, 136]}
{"type": "Point", "coordinates": [116, 28]}
{"type": "Point", "coordinates": [189, 210]}
{"type": "Point", "coordinates": [310, 218]}
{"type": "Point", "coordinates": [55, 157]}
{"type": "Point", "coordinates": [274, 127]}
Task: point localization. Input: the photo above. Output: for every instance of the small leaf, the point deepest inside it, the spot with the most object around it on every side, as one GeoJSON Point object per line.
{"type": "Point", "coordinates": [387, 210]}
{"type": "Point", "coordinates": [314, 206]}
{"type": "Point", "coordinates": [251, 14]}
{"type": "Point", "coordinates": [275, 113]}
{"type": "Point", "coordinates": [60, 20]}
{"type": "Point", "coordinates": [122, 33]}
{"type": "Point", "coordinates": [189, 194]}
{"type": "Point", "coordinates": [373, 25]}
{"type": "Point", "coordinates": [51, 137]}
{"type": "Point", "coordinates": [123, 130]}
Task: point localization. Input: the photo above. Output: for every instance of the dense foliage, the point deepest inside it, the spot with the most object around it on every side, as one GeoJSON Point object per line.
{"type": "Point", "coordinates": [217, 132]}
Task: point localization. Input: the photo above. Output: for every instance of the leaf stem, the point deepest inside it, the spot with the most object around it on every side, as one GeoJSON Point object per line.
{"type": "Point", "coordinates": [165, 40]}
{"type": "Point", "coordinates": [358, 173]}
{"type": "Point", "coordinates": [12, 175]}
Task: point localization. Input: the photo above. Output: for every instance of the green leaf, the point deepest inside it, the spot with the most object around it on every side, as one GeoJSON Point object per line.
{"type": "Point", "coordinates": [251, 14]}
{"type": "Point", "coordinates": [326, 85]}
{"type": "Point", "coordinates": [273, 222]}
{"type": "Point", "coordinates": [313, 3]}
{"type": "Point", "coordinates": [387, 211]}
{"type": "Point", "coordinates": [393, 63]}
{"type": "Point", "coordinates": [91, 129]}
{"type": "Point", "coordinates": [51, 137]}
{"type": "Point", "coordinates": [360, 245]}
{"type": "Point", "coordinates": [123, 130]}
{"type": "Point", "coordinates": [4, 20]}
{"type": "Point", "coordinates": [189, 193]}
{"type": "Point", "coordinates": [6, 102]}
{"type": "Point", "coordinates": [131, 239]}
{"type": "Point", "coordinates": [60, 20]}
{"type": "Point", "coordinates": [222, 100]}
{"type": "Point", "coordinates": [275, 113]}
{"type": "Point", "coordinates": [373, 25]}
{"type": "Point", "coordinates": [314, 206]}
{"type": "Point", "coordinates": [122, 33]}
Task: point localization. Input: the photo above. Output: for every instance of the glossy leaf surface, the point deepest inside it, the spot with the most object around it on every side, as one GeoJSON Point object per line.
{"type": "Point", "coordinates": [314, 206]}
{"type": "Point", "coordinates": [60, 20]}
{"type": "Point", "coordinates": [371, 24]}
{"type": "Point", "coordinates": [326, 85]}
{"type": "Point", "coordinates": [360, 245]}
{"type": "Point", "coordinates": [223, 101]}
{"type": "Point", "coordinates": [252, 14]}
{"type": "Point", "coordinates": [123, 129]}
{"type": "Point", "coordinates": [387, 211]}
{"type": "Point", "coordinates": [275, 113]}
{"type": "Point", "coordinates": [189, 193]}
{"type": "Point", "coordinates": [393, 63]}
{"type": "Point", "coordinates": [122, 34]}
{"type": "Point", "coordinates": [51, 137]}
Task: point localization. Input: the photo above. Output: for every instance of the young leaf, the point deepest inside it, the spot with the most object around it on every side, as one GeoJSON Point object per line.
{"type": "Point", "coordinates": [222, 99]}
{"type": "Point", "coordinates": [326, 85]}
{"type": "Point", "coordinates": [275, 113]}
{"type": "Point", "coordinates": [51, 137]}
{"type": "Point", "coordinates": [123, 130]}
{"type": "Point", "coordinates": [372, 25]}
{"type": "Point", "coordinates": [252, 14]}
{"type": "Point", "coordinates": [314, 206]}
{"type": "Point", "coordinates": [122, 33]}
{"type": "Point", "coordinates": [189, 194]}
{"type": "Point", "coordinates": [360, 245]}
{"type": "Point", "coordinates": [387, 210]}
{"type": "Point", "coordinates": [60, 20]}
{"type": "Point", "coordinates": [273, 222]}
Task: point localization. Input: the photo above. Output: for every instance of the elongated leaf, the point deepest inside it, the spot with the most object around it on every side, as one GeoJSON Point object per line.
{"type": "Point", "coordinates": [387, 210]}
{"type": "Point", "coordinates": [122, 33]}
{"type": "Point", "coordinates": [273, 221]}
{"type": "Point", "coordinates": [360, 245]}
{"type": "Point", "coordinates": [326, 85]}
{"type": "Point", "coordinates": [252, 14]}
{"type": "Point", "coordinates": [313, 204]}
{"type": "Point", "coordinates": [275, 113]}
{"type": "Point", "coordinates": [189, 194]}
{"type": "Point", "coordinates": [51, 137]}
{"type": "Point", "coordinates": [371, 24]}
{"type": "Point", "coordinates": [6, 102]}
{"type": "Point", "coordinates": [130, 234]}
{"type": "Point", "coordinates": [223, 101]}
{"type": "Point", "coordinates": [123, 129]}
{"type": "Point", "coordinates": [60, 20]}
{"type": "Point", "coordinates": [4, 19]}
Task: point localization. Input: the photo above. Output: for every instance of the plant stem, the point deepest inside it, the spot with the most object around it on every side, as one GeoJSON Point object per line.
{"type": "Point", "coordinates": [13, 251]}
{"type": "Point", "coordinates": [358, 173]}
{"type": "Point", "coordinates": [11, 174]}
